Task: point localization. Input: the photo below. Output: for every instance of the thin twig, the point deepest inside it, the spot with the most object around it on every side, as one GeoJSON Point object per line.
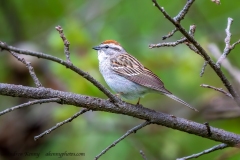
{"type": "Point", "coordinates": [234, 44]}
{"type": "Point", "coordinates": [202, 51]}
{"type": "Point", "coordinates": [61, 123]}
{"type": "Point", "coordinates": [227, 48]}
{"type": "Point", "coordinates": [85, 75]}
{"type": "Point", "coordinates": [65, 42]}
{"type": "Point", "coordinates": [30, 69]}
{"type": "Point", "coordinates": [143, 155]}
{"type": "Point", "coordinates": [170, 34]}
{"type": "Point", "coordinates": [203, 68]}
{"type": "Point", "coordinates": [133, 130]}
{"type": "Point", "coordinates": [167, 44]}
{"type": "Point", "coordinates": [192, 30]}
{"type": "Point", "coordinates": [184, 11]}
{"type": "Point", "coordinates": [194, 49]}
{"type": "Point", "coordinates": [217, 147]}
{"type": "Point", "coordinates": [30, 103]}
{"type": "Point", "coordinates": [217, 89]}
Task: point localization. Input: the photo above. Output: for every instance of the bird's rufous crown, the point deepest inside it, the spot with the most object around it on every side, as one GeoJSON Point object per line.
{"type": "Point", "coordinates": [111, 41]}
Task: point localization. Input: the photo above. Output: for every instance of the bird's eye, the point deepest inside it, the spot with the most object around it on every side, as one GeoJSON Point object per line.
{"type": "Point", "coordinates": [106, 46]}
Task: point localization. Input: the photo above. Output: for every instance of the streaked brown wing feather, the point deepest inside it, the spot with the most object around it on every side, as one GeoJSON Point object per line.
{"type": "Point", "coordinates": [130, 68]}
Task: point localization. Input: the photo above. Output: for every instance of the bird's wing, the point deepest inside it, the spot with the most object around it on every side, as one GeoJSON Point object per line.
{"type": "Point", "coordinates": [130, 68]}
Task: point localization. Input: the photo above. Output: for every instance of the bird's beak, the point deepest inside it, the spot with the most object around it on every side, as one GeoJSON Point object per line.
{"type": "Point", "coordinates": [96, 48]}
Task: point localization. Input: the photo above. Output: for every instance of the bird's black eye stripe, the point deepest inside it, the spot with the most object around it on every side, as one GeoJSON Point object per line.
{"type": "Point", "coordinates": [115, 48]}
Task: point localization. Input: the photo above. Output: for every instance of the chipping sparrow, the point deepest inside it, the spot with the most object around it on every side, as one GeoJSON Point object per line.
{"type": "Point", "coordinates": [125, 75]}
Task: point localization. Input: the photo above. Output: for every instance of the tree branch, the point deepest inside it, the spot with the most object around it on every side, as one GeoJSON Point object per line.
{"type": "Point", "coordinates": [178, 18]}
{"type": "Point", "coordinates": [233, 71]}
{"type": "Point", "coordinates": [169, 34]}
{"type": "Point", "coordinates": [203, 68]}
{"type": "Point", "coordinates": [85, 75]}
{"type": "Point", "coordinates": [168, 44]}
{"type": "Point", "coordinates": [202, 51]}
{"type": "Point", "coordinates": [143, 155]}
{"type": "Point", "coordinates": [30, 103]}
{"type": "Point", "coordinates": [151, 116]}
{"type": "Point", "coordinates": [123, 108]}
{"type": "Point", "coordinates": [184, 11]}
{"type": "Point", "coordinates": [228, 46]}
{"type": "Point", "coordinates": [192, 30]}
{"type": "Point", "coordinates": [217, 89]}
{"type": "Point", "coordinates": [217, 147]}
{"type": "Point", "coordinates": [65, 42]}
{"type": "Point", "coordinates": [30, 69]}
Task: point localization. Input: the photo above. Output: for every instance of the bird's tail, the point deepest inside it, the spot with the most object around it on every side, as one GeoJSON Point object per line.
{"type": "Point", "coordinates": [181, 101]}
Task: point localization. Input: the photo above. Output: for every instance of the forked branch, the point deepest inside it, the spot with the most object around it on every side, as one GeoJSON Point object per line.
{"type": "Point", "coordinates": [30, 69]}
{"type": "Point", "coordinates": [85, 75]}
{"type": "Point", "coordinates": [202, 52]}
{"type": "Point", "coordinates": [228, 47]}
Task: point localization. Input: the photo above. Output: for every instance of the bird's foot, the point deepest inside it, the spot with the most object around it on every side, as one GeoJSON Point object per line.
{"type": "Point", "coordinates": [138, 103]}
{"type": "Point", "coordinates": [119, 94]}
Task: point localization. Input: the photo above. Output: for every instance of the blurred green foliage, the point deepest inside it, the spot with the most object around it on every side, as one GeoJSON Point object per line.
{"type": "Point", "coordinates": [135, 24]}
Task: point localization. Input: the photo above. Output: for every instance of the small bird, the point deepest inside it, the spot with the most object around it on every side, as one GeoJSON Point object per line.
{"type": "Point", "coordinates": [125, 75]}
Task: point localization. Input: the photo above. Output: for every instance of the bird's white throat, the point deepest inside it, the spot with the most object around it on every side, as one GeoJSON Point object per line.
{"type": "Point", "coordinates": [101, 56]}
